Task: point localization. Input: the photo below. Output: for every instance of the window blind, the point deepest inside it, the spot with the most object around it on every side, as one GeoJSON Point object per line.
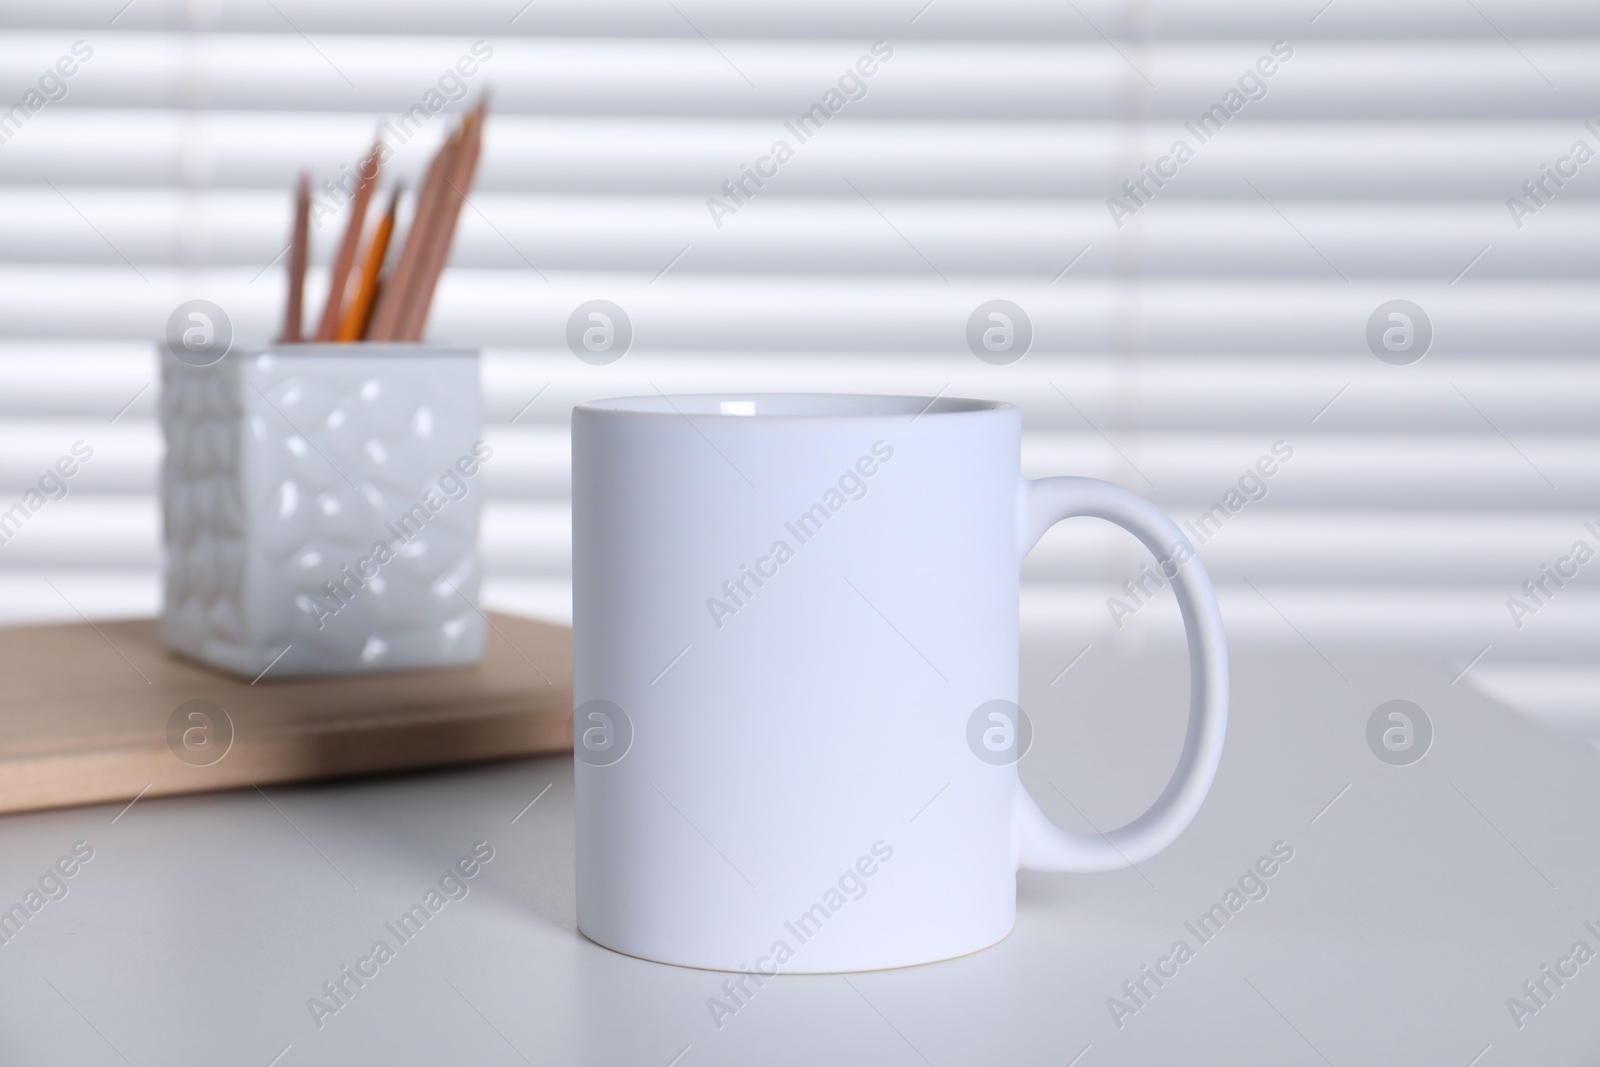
{"type": "Point", "coordinates": [1188, 310]}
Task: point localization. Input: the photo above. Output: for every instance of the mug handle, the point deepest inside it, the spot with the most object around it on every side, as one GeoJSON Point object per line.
{"type": "Point", "coordinates": [1040, 844]}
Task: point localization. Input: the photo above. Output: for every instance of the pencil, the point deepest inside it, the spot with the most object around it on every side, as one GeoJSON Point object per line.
{"type": "Point", "coordinates": [391, 263]}
{"type": "Point", "coordinates": [457, 180]}
{"type": "Point", "coordinates": [366, 178]}
{"type": "Point", "coordinates": [386, 318]}
{"type": "Point", "coordinates": [298, 242]}
{"type": "Point", "coordinates": [353, 326]}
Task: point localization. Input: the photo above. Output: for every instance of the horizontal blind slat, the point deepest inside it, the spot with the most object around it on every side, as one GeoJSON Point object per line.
{"type": "Point", "coordinates": [964, 19]}
{"type": "Point", "coordinates": [999, 236]}
{"type": "Point", "coordinates": [1402, 472]}
{"type": "Point", "coordinates": [608, 155]}
{"type": "Point", "coordinates": [1231, 399]}
{"type": "Point", "coordinates": [1435, 551]}
{"type": "Point", "coordinates": [896, 314]}
{"type": "Point", "coordinates": [776, 79]}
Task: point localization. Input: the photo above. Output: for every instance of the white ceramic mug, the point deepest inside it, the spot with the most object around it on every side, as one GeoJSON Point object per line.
{"type": "Point", "coordinates": [795, 675]}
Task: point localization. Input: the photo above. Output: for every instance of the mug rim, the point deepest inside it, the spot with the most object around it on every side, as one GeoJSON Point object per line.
{"type": "Point", "coordinates": [792, 406]}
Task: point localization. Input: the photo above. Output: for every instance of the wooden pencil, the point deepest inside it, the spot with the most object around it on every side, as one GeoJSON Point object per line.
{"type": "Point", "coordinates": [457, 180]}
{"type": "Point", "coordinates": [427, 237]}
{"type": "Point", "coordinates": [299, 242]}
{"type": "Point", "coordinates": [366, 178]}
{"type": "Point", "coordinates": [358, 312]}
{"type": "Point", "coordinates": [386, 272]}
{"type": "Point", "coordinates": [386, 318]}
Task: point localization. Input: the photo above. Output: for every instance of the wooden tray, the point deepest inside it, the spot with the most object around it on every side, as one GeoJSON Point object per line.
{"type": "Point", "coordinates": [89, 712]}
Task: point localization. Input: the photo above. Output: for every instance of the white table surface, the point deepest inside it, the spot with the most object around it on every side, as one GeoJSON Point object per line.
{"type": "Point", "coordinates": [1414, 906]}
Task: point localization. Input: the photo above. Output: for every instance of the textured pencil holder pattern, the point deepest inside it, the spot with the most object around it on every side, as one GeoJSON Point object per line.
{"type": "Point", "coordinates": [320, 509]}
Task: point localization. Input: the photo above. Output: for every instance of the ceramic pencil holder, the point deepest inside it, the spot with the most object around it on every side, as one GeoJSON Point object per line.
{"type": "Point", "coordinates": [320, 508]}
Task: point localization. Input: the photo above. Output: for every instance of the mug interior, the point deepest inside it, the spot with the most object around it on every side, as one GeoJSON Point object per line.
{"type": "Point", "coordinates": [791, 405]}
